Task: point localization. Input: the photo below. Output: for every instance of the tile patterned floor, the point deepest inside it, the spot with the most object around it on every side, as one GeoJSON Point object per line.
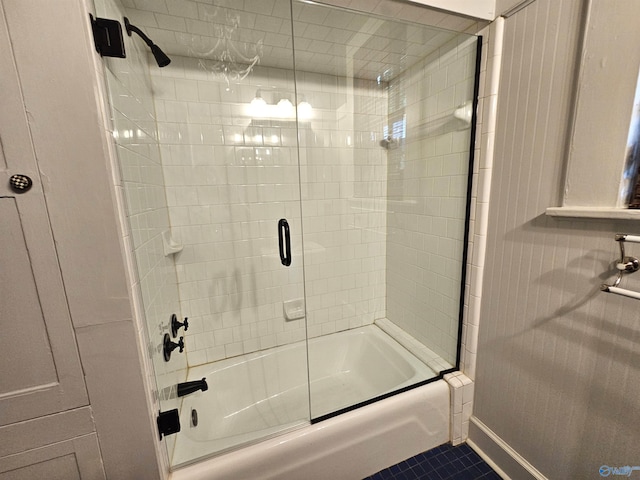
{"type": "Point", "coordinates": [441, 463]}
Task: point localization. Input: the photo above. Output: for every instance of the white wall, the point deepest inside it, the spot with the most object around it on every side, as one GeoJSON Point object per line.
{"type": "Point", "coordinates": [503, 6]}
{"type": "Point", "coordinates": [476, 8]}
{"type": "Point", "coordinates": [557, 375]}
{"type": "Point", "coordinates": [603, 114]}
{"type": "Point", "coordinates": [230, 179]}
{"type": "Point", "coordinates": [417, 12]}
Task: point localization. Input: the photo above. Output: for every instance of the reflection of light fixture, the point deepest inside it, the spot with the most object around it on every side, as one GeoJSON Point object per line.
{"type": "Point", "coordinates": [283, 109]}
{"type": "Point", "coordinates": [305, 111]}
{"type": "Point", "coordinates": [226, 59]}
{"type": "Point", "coordinates": [258, 106]}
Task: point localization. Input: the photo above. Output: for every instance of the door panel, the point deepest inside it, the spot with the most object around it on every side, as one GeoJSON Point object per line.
{"type": "Point", "coordinates": [21, 308]}
{"type": "Point", "coordinates": [78, 458]}
{"type": "Point", "coordinates": [44, 374]}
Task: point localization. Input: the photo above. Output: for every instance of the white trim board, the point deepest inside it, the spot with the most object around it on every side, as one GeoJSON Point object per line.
{"type": "Point", "coordinates": [499, 455]}
{"type": "Point", "coordinates": [484, 9]}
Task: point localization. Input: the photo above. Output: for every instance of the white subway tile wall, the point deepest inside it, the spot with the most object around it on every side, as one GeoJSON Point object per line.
{"type": "Point", "coordinates": [427, 188]}
{"type": "Point", "coordinates": [344, 175]}
{"type": "Point", "coordinates": [487, 103]}
{"type": "Point", "coordinates": [231, 177]}
{"type": "Point", "coordinates": [462, 388]}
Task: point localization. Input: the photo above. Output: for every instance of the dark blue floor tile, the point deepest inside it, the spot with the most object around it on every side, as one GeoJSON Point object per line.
{"type": "Point", "coordinates": [443, 471]}
{"type": "Point", "coordinates": [491, 476]}
{"type": "Point", "coordinates": [445, 462]}
{"type": "Point", "coordinates": [479, 469]}
{"type": "Point", "coordinates": [464, 449]}
{"type": "Point", "coordinates": [464, 475]}
{"type": "Point", "coordinates": [411, 461]}
{"type": "Point", "coordinates": [420, 471]}
{"type": "Point", "coordinates": [449, 455]}
{"type": "Point", "coordinates": [467, 461]}
{"type": "Point", "coordinates": [484, 468]}
{"type": "Point", "coordinates": [436, 451]}
{"type": "Point", "coordinates": [475, 457]}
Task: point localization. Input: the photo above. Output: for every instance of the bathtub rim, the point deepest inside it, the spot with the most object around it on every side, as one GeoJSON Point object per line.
{"type": "Point", "coordinates": [405, 424]}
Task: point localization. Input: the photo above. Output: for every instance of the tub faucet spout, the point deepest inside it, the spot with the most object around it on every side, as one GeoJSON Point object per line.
{"type": "Point", "coordinates": [190, 387]}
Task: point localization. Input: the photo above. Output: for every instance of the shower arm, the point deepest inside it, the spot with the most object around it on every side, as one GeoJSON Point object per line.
{"type": "Point", "coordinates": [161, 58]}
{"type": "Point", "coordinates": [132, 28]}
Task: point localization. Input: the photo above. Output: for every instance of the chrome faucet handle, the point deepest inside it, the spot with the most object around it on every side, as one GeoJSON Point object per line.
{"type": "Point", "coordinates": [628, 264]}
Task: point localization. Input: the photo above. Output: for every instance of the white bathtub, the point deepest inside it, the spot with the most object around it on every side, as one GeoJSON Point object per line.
{"type": "Point", "coordinates": [263, 394]}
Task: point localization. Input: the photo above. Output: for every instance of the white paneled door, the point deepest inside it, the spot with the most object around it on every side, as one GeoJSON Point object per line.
{"type": "Point", "coordinates": [41, 372]}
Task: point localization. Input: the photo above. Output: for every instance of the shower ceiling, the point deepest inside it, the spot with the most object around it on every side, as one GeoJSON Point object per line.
{"type": "Point", "coordinates": [327, 40]}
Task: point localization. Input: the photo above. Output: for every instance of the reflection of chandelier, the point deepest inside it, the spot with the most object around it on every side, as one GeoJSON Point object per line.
{"type": "Point", "coordinates": [225, 58]}
{"type": "Point", "coordinates": [281, 107]}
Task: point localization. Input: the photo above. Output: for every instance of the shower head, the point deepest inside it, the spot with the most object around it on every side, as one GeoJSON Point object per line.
{"type": "Point", "coordinates": [389, 143]}
{"type": "Point", "coordinates": [161, 58]}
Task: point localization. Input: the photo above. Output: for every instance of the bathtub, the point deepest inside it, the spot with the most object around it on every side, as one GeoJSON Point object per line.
{"type": "Point", "coordinates": [261, 395]}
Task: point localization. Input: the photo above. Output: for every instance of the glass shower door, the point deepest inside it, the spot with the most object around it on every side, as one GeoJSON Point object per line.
{"type": "Point", "coordinates": [209, 161]}
{"type": "Point", "coordinates": [385, 121]}
{"type": "Point", "coordinates": [229, 145]}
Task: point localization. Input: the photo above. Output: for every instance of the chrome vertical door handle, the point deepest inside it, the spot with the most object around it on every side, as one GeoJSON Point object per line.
{"type": "Point", "coordinates": [284, 242]}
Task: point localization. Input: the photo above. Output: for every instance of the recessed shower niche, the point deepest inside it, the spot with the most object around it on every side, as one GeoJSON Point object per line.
{"type": "Point", "coordinates": [297, 185]}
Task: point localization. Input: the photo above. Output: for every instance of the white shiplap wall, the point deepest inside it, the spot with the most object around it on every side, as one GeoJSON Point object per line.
{"type": "Point", "coordinates": [557, 368]}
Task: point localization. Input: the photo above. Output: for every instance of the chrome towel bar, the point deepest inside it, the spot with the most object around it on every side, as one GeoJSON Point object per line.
{"type": "Point", "coordinates": [621, 237]}
{"type": "Point", "coordinates": [627, 264]}
{"type": "Point", "coordinates": [621, 291]}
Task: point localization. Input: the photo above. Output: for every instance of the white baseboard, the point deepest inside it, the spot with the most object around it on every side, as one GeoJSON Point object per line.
{"type": "Point", "coordinates": [508, 463]}
{"type": "Point", "coordinates": [488, 460]}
